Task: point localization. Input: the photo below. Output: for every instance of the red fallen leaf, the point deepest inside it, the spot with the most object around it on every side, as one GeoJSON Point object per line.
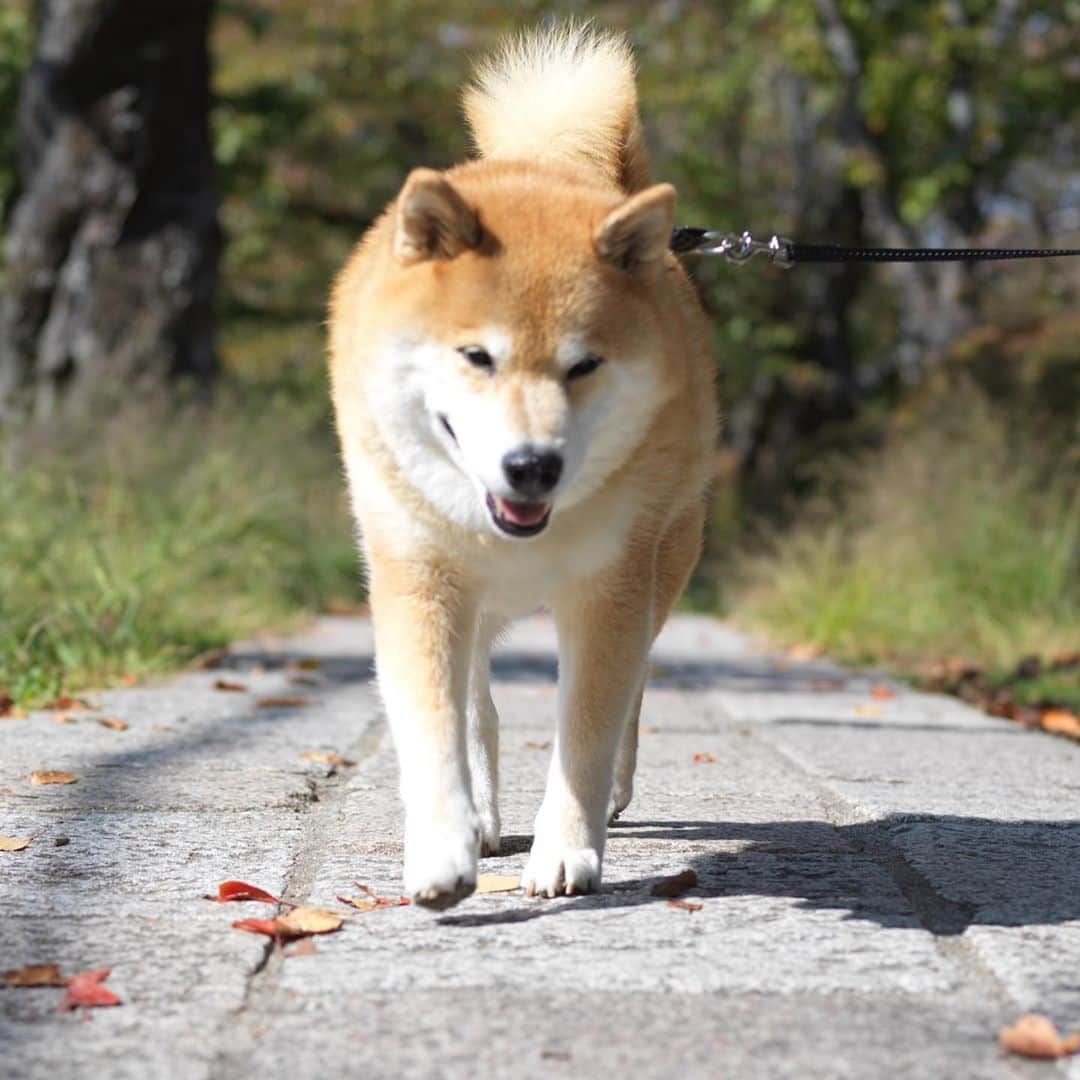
{"type": "Point", "coordinates": [241, 890]}
{"type": "Point", "coordinates": [881, 692]}
{"type": "Point", "coordinates": [685, 905]}
{"type": "Point", "coordinates": [269, 927]}
{"type": "Point", "coordinates": [86, 990]}
{"type": "Point", "coordinates": [283, 702]}
{"type": "Point", "coordinates": [113, 722]}
{"type": "Point", "coordinates": [707, 758]}
{"type": "Point", "coordinates": [229, 686]}
{"type": "Point", "coordinates": [675, 885]}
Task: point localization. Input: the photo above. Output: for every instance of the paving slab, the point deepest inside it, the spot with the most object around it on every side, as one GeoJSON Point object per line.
{"type": "Point", "coordinates": [883, 880]}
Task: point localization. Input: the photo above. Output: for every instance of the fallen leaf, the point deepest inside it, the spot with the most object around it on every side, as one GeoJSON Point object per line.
{"type": "Point", "coordinates": [230, 687]}
{"type": "Point", "coordinates": [869, 710]}
{"type": "Point", "coordinates": [1060, 722]}
{"type": "Point", "coordinates": [532, 744]}
{"type": "Point", "coordinates": [706, 758]}
{"type": "Point", "coordinates": [383, 901]}
{"type": "Point", "coordinates": [114, 723]}
{"type": "Point", "coordinates": [326, 756]}
{"type": "Point", "coordinates": [305, 663]}
{"type": "Point", "coordinates": [86, 989]}
{"type": "Point", "coordinates": [35, 975]}
{"type": "Point", "coordinates": [881, 692]}
{"type": "Point", "coordinates": [51, 776]}
{"type": "Point", "coordinates": [311, 920]}
{"type": "Point", "coordinates": [497, 883]}
{"type": "Point", "coordinates": [305, 680]}
{"type": "Point", "coordinates": [284, 702]}
{"type": "Point", "coordinates": [675, 885]}
{"type": "Point", "coordinates": [358, 904]}
{"type": "Point", "coordinates": [8, 708]}
{"type": "Point", "coordinates": [63, 718]}
{"type": "Point", "coordinates": [241, 890]}
{"type": "Point", "coordinates": [300, 922]}
{"type": "Point", "coordinates": [685, 905]}
{"type": "Point", "coordinates": [12, 843]}
{"type": "Point", "coordinates": [804, 651]}
{"type": "Point", "coordinates": [66, 703]}
{"type": "Point", "coordinates": [161, 727]}
{"type": "Point", "coordinates": [129, 678]}
{"type": "Point", "coordinates": [825, 684]}
{"type": "Point", "coordinates": [1035, 1036]}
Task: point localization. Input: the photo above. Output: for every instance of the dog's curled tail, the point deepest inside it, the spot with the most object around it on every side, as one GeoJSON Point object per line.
{"type": "Point", "coordinates": [564, 95]}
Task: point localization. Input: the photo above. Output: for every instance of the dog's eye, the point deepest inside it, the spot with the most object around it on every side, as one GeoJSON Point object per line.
{"type": "Point", "coordinates": [478, 357]}
{"type": "Point", "coordinates": [585, 367]}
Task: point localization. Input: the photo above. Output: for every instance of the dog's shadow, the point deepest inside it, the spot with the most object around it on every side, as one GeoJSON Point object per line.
{"type": "Point", "coordinates": [937, 873]}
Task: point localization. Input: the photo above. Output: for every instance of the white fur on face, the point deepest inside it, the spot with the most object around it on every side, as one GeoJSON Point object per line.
{"type": "Point", "coordinates": [416, 381]}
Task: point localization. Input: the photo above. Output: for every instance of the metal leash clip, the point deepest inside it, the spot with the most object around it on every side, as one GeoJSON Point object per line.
{"type": "Point", "coordinates": [736, 248]}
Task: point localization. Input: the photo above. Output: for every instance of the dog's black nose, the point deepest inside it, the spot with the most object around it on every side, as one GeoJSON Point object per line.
{"type": "Point", "coordinates": [532, 473]}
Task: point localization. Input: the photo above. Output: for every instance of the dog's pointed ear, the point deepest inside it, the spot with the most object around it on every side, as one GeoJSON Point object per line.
{"type": "Point", "coordinates": [637, 232]}
{"type": "Point", "coordinates": [432, 220]}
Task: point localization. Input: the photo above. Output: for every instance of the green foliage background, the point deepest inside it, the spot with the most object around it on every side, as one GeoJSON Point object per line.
{"type": "Point", "coordinates": [899, 461]}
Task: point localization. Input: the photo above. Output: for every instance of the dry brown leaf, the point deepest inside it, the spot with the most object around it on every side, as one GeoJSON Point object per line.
{"type": "Point", "coordinates": [35, 975]}
{"type": "Point", "coordinates": [310, 920]}
{"type": "Point", "coordinates": [881, 692]}
{"type": "Point", "coordinates": [114, 723]}
{"type": "Point", "coordinates": [1035, 1036]}
{"type": "Point", "coordinates": [825, 684]}
{"type": "Point", "coordinates": [63, 718]}
{"type": "Point", "coordinates": [51, 776]}
{"type": "Point", "coordinates": [383, 901]}
{"type": "Point", "coordinates": [326, 756]}
{"type": "Point", "coordinates": [13, 843]}
{"type": "Point", "coordinates": [283, 702]}
{"type": "Point", "coordinates": [675, 885]}
{"type": "Point", "coordinates": [230, 687]}
{"type": "Point", "coordinates": [305, 663]}
{"type": "Point", "coordinates": [706, 758]}
{"type": "Point", "coordinates": [497, 883]}
{"type": "Point", "coordinates": [358, 904]}
{"type": "Point", "coordinates": [67, 703]}
{"type": "Point", "coordinates": [1060, 722]}
{"type": "Point", "coordinates": [685, 905]}
{"type": "Point", "coordinates": [869, 710]}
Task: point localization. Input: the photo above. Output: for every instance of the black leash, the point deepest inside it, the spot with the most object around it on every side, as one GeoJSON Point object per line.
{"type": "Point", "coordinates": [786, 253]}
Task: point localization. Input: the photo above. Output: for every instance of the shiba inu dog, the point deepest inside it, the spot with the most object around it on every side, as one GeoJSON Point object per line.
{"type": "Point", "coordinates": [526, 411]}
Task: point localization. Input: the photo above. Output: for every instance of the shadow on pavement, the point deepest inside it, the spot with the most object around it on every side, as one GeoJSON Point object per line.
{"type": "Point", "coordinates": [987, 873]}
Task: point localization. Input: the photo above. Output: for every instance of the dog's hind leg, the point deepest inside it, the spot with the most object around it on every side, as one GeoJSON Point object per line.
{"type": "Point", "coordinates": [483, 737]}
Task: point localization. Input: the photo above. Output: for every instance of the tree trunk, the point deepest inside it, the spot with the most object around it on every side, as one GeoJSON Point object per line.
{"type": "Point", "coordinates": [113, 244]}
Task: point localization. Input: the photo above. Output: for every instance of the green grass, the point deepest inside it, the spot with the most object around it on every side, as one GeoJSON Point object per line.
{"type": "Point", "coordinates": [961, 539]}
{"type": "Point", "coordinates": [132, 545]}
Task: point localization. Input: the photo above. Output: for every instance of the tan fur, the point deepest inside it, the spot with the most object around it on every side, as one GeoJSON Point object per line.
{"type": "Point", "coordinates": [538, 244]}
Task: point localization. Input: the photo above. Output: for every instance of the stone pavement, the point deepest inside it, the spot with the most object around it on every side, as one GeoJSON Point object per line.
{"type": "Point", "coordinates": [884, 883]}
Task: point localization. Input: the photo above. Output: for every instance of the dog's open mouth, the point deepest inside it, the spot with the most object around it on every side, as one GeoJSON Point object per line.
{"type": "Point", "coordinates": [518, 518]}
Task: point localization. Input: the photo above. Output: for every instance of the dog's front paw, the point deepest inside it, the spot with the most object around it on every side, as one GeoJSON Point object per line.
{"type": "Point", "coordinates": [554, 871]}
{"type": "Point", "coordinates": [440, 863]}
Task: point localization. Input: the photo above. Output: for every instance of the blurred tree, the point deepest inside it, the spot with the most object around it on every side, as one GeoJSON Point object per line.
{"type": "Point", "coordinates": [112, 246]}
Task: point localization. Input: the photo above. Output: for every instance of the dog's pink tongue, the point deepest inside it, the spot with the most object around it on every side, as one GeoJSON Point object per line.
{"type": "Point", "coordinates": [521, 513]}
